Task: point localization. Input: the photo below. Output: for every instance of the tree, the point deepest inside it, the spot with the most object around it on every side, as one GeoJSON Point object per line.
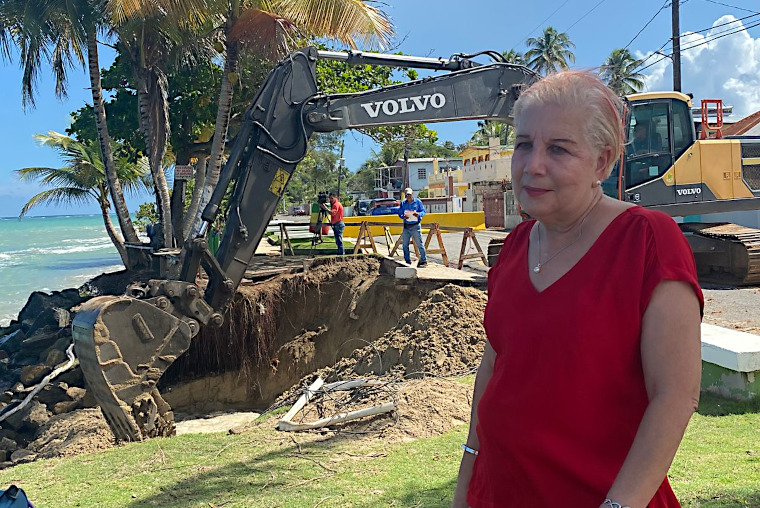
{"type": "Point", "coordinates": [153, 39]}
{"type": "Point", "coordinates": [264, 25]}
{"type": "Point", "coordinates": [491, 129]}
{"type": "Point", "coordinates": [81, 179]}
{"type": "Point", "coordinates": [619, 72]}
{"type": "Point", "coordinates": [513, 57]}
{"type": "Point", "coordinates": [550, 52]}
{"type": "Point", "coordinates": [61, 31]}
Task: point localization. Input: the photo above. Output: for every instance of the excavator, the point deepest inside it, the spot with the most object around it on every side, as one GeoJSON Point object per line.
{"type": "Point", "coordinates": [126, 343]}
{"type": "Point", "coordinates": [665, 167]}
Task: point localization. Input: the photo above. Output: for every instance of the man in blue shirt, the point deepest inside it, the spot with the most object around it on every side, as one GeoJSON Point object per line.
{"type": "Point", "coordinates": [412, 210]}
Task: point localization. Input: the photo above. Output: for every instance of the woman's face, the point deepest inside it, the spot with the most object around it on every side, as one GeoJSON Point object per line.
{"type": "Point", "coordinates": [554, 167]}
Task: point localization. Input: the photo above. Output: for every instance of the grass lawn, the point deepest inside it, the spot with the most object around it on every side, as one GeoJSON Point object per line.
{"type": "Point", "coordinates": [303, 245]}
{"type": "Point", "coordinates": [717, 466]}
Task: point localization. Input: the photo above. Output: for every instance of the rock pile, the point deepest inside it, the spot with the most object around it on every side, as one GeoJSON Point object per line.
{"type": "Point", "coordinates": [30, 349]}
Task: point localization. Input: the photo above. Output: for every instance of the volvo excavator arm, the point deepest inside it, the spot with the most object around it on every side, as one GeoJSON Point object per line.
{"type": "Point", "coordinates": [126, 343]}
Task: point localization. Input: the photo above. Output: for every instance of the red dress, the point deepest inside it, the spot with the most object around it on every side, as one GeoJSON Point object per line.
{"type": "Point", "coordinates": [558, 417]}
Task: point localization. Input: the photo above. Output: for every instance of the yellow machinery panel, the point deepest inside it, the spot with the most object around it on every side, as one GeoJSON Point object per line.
{"type": "Point", "coordinates": [740, 188]}
{"type": "Point", "coordinates": [687, 169]}
{"type": "Point", "coordinates": [718, 166]}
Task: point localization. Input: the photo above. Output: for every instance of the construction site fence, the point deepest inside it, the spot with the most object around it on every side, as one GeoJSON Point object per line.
{"type": "Point", "coordinates": [453, 222]}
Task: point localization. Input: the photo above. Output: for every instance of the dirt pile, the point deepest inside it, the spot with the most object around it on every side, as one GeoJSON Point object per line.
{"type": "Point", "coordinates": [443, 336]}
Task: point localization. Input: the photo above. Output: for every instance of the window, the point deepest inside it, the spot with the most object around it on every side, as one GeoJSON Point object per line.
{"type": "Point", "coordinates": [421, 173]}
{"type": "Point", "coordinates": [466, 161]}
{"type": "Point", "coordinates": [648, 147]}
{"type": "Point", "coordinates": [488, 157]}
{"type": "Point", "coordinates": [683, 128]}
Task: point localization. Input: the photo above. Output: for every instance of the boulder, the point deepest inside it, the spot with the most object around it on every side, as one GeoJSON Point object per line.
{"type": "Point", "coordinates": [54, 393]}
{"type": "Point", "coordinates": [32, 374]}
{"type": "Point", "coordinates": [39, 308]}
{"type": "Point", "coordinates": [76, 393]}
{"type": "Point", "coordinates": [54, 357]}
{"type": "Point", "coordinates": [73, 376]}
{"type": "Point", "coordinates": [30, 417]}
{"type": "Point", "coordinates": [8, 445]}
{"type": "Point", "coordinates": [67, 406]}
{"type": "Point", "coordinates": [10, 343]}
{"type": "Point", "coordinates": [40, 340]}
{"type": "Point", "coordinates": [22, 455]}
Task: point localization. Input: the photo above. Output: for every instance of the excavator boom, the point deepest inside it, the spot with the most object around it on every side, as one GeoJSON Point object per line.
{"type": "Point", "coordinates": [126, 343]}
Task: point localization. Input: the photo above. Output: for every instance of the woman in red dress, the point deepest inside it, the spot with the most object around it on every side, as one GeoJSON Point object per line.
{"type": "Point", "coordinates": [591, 371]}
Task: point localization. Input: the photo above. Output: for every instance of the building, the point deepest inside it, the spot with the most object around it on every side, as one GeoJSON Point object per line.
{"type": "Point", "coordinates": [389, 180]}
{"type": "Point", "coordinates": [486, 171]}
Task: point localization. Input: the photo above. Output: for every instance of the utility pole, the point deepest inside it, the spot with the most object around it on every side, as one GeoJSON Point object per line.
{"type": "Point", "coordinates": [676, 47]}
{"type": "Point", "coordinates": [341, 161]}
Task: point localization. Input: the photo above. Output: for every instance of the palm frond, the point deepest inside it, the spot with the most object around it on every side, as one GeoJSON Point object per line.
{"type": "Point", "coordinates": [353, 22]}
{"type": "Point", "coordinates": [57, 196]}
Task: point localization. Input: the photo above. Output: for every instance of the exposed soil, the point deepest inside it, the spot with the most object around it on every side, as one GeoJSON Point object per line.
{"type": "Point", "coordinates": [80, 431]}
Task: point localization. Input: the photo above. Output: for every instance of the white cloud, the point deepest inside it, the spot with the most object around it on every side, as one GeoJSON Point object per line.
{"type": "Point", "coordinates": [725, 68]}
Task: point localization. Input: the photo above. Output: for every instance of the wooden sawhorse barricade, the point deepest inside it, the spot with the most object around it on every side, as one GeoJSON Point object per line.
{"type": "Point", "coordinates": [365, 240]}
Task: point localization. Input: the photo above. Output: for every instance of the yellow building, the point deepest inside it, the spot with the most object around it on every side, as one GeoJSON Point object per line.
{"type": "Point", "coordinates": [446, 175]}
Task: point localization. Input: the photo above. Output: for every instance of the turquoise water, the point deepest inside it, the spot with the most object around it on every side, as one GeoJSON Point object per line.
{"type": "Point", "coordinates": [50, 254]}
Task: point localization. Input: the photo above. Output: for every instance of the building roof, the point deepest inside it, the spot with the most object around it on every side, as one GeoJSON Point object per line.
{"type": "Point", "coordinates": [743, 126]}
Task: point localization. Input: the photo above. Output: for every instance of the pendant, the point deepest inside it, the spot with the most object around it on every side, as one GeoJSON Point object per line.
{"type": "Point", "coordinates": [537, 268]}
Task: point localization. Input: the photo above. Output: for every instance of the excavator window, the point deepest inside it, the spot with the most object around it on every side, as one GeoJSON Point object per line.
{"type": "Point", "coordinates": [648, 150]}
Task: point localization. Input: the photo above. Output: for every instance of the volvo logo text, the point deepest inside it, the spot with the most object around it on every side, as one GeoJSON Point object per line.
{"type": "Point", "coordinates": [406, 105]}
{"type": "Point", "coordinates": [691, 191]}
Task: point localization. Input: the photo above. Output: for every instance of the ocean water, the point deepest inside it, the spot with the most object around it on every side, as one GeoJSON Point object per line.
{"type": "Point", "coordinates": [50, 254]}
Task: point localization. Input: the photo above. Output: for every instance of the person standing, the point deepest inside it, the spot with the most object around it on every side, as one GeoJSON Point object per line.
{"type": "Point", "coordinates": [412, 210]}
{"type": "Point", "coordinates": [592, 364]}
{"type": "Point", "coordinates": [336, 220]}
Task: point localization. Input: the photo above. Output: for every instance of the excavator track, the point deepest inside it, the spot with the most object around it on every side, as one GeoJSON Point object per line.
{"type": "Point", "coordinates": [726, 254]}
{"type": "Point", "coordinates": [122, 359]}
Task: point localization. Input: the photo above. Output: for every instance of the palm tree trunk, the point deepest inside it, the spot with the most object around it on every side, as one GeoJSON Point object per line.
{"type": "Point", "coordinates": [154, 124]}
{"type": "Point", "coordinates": [114, 236]}
{"type": "Point", "coordinates": [220, 131]}
{"type": "Point", "coordinates": [114, 185]}
{"type": "Point", "coordinates": [192, 210]}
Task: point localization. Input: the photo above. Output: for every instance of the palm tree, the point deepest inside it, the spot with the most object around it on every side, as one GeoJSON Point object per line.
{"type": "Point", "coordinates": [550, 52]}
{"type": "Point", "coordinates": [513, 57]}
{"type": "Point", "coordinates": [264, 25]}
{"type": "Point", "coordinates": [61, 32]}
{"type": "Point", "coordinates": [153, 41]}
{"type": "Point", "coordinates": [81, 179]}
{"type": "Point", "coordinates": [491, 129]}
{"type": "Point", "coordinates": [619, 72]}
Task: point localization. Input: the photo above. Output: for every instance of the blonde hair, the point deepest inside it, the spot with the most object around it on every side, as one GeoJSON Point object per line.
{"type": "Point", "coordinates": [602, 125]}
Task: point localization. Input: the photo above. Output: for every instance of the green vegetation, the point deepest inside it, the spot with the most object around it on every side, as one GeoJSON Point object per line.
{"type": "Point", "coordinates": [715, 467]}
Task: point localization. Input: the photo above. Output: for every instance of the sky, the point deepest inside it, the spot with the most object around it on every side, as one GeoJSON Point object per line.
{"type": "Point", "coordinates": [718, 62]}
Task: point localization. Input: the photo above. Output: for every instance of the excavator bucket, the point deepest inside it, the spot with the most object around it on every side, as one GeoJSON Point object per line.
{"type": "Point", "coordinates": [124, 346]}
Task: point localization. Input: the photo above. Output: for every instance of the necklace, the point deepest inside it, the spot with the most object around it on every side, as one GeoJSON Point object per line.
{"type": "Point", "coordinates": [539, 265]}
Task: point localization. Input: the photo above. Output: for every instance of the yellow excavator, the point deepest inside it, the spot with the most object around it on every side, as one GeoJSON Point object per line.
{"type": "Point", "coordinates": [666, 167]}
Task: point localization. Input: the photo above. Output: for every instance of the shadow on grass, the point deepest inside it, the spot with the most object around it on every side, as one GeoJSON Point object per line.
{"type": "Point", "coordinates": [726, 500]}
{"type": "Point", "coordinates": [711, 404]}
{"type": "Point", "coordinates": [296, 482]}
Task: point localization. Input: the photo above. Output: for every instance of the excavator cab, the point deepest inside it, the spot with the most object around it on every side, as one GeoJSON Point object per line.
{"type": "Point", "coordinates": [658, 130]}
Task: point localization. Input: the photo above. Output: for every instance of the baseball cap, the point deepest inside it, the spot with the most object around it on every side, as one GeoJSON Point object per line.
{"type": "Point", "coordinates": [408, 190]}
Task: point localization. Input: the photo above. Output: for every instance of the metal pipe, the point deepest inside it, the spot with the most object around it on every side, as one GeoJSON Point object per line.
{"type": "Point", "coordinates": [364, 58]}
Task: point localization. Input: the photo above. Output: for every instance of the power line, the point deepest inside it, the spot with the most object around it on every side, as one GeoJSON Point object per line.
{"type": "Point", "coordinates": [702, 43]}
{"type": "Point", "coordinates": [584, 16]}
{"type": "Point", "coordinates": [724, 24]}
{"type": "Point", "coordinates": [541, 24]}
{"type": "Point", "coordinates": [648, 22]}
{"type": "Point", "coordinates": [727, 5]}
